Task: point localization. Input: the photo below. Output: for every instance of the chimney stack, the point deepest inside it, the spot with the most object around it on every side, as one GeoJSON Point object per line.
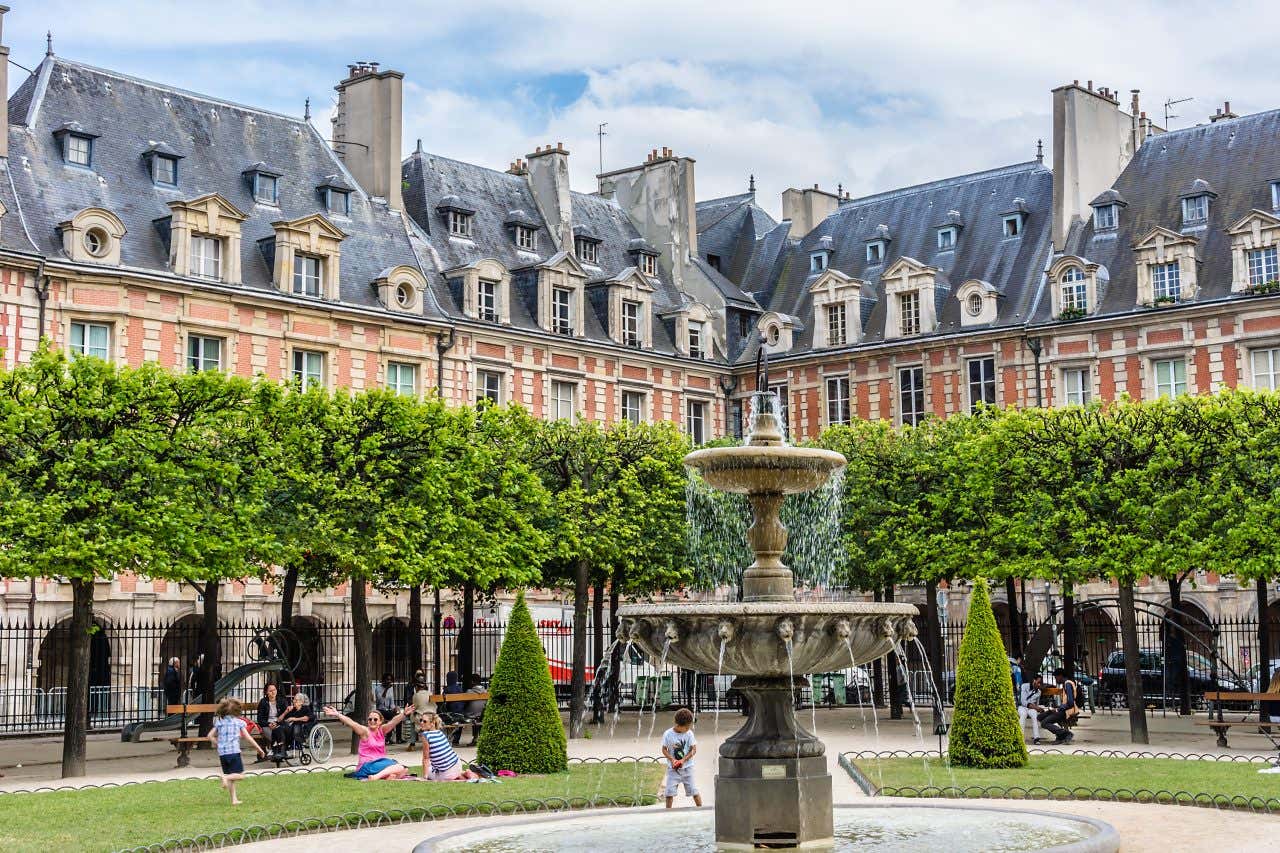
{"type": "Point", "coordinates": [1223, 112]}
{"type": "Point", "coordinates": [4, 89]}
{"type": "Point", "coordinates": [367, 129]}
{"type": "Point", "coordinates": [547, 170]}
{"type": "Point", "coordinates": [806, 208]}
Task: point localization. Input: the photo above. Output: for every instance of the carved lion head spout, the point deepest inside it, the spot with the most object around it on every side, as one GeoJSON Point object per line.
{"type": "Point", "coordinates": [725, 630]}
{"type": "Point", "coordinates": [888, 629]}
{"type": "Point", "coordinates": [843, 629]}
{"type": "Point", "coordinates": [907, 630]}
{"type": "Point", "coordinates": [672, 634]}
{"type": "Point", "coordinates": [786, 631]}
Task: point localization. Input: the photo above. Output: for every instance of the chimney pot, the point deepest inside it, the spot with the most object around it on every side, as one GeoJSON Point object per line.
{"type": "Point", "coordinates": [1226, 106]}
{"type": "Point", "coordinates": [1075, 82]}
{"type": "Point", "coordinates": [1090, 85]}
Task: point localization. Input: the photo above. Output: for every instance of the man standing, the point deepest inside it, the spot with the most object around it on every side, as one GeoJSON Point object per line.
{"type": "Point", "coordinates": [270, 707]}
{"type": "Point", "coordinates": [171, 683]}
{"type": "Point", "coordinates": [1029, 706]}
{"type": "Point", "coordinates": [384, 699]}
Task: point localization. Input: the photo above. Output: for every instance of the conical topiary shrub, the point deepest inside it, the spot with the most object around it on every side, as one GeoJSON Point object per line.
{"type": "Point", "coordinates": [985, 731]}
{"type": "Point", "coordinates": [522, 729]}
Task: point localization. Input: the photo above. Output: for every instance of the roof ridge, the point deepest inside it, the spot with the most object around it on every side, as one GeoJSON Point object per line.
{"type": "Point", "coordinates": [1215, 124]}
{"type": "Point", "coordinates": [177, 90]}
{"type": "Point", "coordinates": [955, 180]}
{"type": "Point", "coordinates": [500, 172]}
{"type": "Point", "coordinates": [741, 198]}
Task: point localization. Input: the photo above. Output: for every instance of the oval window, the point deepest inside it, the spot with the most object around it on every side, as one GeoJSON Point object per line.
{"type": "Point", "coordinates": [96, 242]}
{"type": "Point", "coordinates": [404, 295]}
{"type": "Point", "coordinates": [772, 335]}
{"type": "Point", "coordinates": [975, 304]}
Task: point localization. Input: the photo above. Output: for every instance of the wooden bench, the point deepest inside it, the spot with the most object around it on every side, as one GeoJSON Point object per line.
{"type": "Point", "coordinates": [459, 697]}
{"type": "Point", "coordinates": [1050, 690]}
{"type": "Point", "coordinates": [1221, 725]}
{"type": "Point", "coordinates": [184, 743]}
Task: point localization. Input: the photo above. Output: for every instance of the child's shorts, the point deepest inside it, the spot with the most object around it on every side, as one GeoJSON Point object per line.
{"type": "Point", "coordinates": [676, 778]}
{"type": "Point", "coordinates": [232, 763]}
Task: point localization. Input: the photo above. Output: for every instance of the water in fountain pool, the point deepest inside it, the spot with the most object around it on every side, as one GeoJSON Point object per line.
{"type": "Point", "coordinates": [887, 829]}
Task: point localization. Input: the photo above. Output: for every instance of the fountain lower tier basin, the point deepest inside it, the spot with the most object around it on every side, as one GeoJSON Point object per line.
{"type": "Point", "coordinates": [765, 470]}
{"type": "Point", "coordinates": [767, 639]}
{"type": "Point", "coordinates": [878, 828]}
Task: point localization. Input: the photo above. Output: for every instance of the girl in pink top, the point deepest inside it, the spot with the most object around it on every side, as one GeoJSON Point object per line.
{"type": "Point", "coordinates": [372, 752]}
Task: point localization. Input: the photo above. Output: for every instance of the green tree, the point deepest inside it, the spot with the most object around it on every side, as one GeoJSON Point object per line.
{"type": "Point", "coordinates": [106, 469]}
{"type": "Point", "coordinates": [522, 729]}
{"type": "Point", "coordinates": [985, 731]}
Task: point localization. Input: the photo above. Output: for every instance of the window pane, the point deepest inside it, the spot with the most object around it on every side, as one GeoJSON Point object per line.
{"type": "Point", "coordinates": [91, 339]}
{"type": "Point", "coordinates": [836, 325]}
{"type": "Point", "coordinates": [1266, 369]}
{"type": "Point", "coordinates": [982, 382]}
{"type": "Point", "coordinates": [837, 400]}
{"type": "Point", "coordinates": [402, 378]}
{"type": "Point", "coordinates": [1165, 284]}
{"type": "Point", "coordinates": [909, 312]}
{"type": "Point", "coordinates": [204, 353]}
{"type": "Point", "coordinates": [911, 394]}
{"type": "Point", "coordinates": [696, 421]}
{"type": "Point", "coordinates": [633, 406]}
{"type": "Point", "coordinates": [306, 275]}
{"type": "Point", "coordinates": [1263, 267]}
{"type": "Point", "coordinates": [784, 405]}
{"type": "Point", "coordinates": [561, 311]}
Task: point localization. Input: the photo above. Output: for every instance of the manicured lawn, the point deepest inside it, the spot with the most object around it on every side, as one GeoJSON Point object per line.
{"type": "Point", "coordinates": [1082, 771]}
{"type": "Point", "coordinates": [115, 818]}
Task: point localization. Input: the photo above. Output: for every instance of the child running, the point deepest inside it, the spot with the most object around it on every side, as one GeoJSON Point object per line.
{"type": "Point", "coordinates": [439, 762]}
{"type": "Point", "coordinates": [372, 754]}
{"type": "Point", "coordinates": [678, 747]}
{"type": "Point", "coordinates": [225, 735]}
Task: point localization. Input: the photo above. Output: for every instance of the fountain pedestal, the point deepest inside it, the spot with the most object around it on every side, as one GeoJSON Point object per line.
{"type": "Point", "coordinates": [773, 774]}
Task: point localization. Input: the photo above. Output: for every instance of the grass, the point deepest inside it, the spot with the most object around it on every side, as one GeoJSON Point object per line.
{"type": "Point", "coordinates": [134, 815]}
{"type": "Point", "coordinates": [1228, 778]}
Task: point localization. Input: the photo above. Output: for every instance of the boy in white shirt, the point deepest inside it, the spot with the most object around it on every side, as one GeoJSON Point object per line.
{"type": "Point", "coordinates": [678, 747]}
{"type": "Point", "coordinates": [1029, 704]}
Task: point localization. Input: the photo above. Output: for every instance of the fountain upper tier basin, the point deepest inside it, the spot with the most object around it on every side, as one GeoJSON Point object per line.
{"type": "Point", "coordinates": [754, 635]}
{"type": "Point", "coordinates": [765, 470]}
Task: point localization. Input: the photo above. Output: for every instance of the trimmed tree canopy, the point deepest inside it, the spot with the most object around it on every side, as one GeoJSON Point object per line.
{"type": "Point", "coordinates": [522, 729]}
{"type": "Point", "coordinates": [985, 731]}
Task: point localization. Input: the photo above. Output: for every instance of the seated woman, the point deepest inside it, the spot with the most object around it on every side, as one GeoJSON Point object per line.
{"type": "Point", "coordinates": [298, 720]}
{"type": "Point", "coordinates": [439, 762]}
{"type": "Point", "coordinates": [372, 754]}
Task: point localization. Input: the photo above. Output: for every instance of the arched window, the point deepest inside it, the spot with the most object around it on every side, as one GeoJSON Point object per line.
{"type": "Point", "coordinates": [1075, 292]}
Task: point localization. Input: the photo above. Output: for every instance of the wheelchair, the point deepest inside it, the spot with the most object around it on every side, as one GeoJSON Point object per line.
{"type": "Point", "coordinates": [315, 746]}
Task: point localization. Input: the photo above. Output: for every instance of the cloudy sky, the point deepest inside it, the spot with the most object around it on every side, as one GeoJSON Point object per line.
{"type": "Point", "coordinates": [872, 95]}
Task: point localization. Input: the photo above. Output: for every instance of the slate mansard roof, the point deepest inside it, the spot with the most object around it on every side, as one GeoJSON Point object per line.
{"type": "Point", "coordinates": [779, 276]}
{"type": "Point", "coordinates": [729, 228]}
{"type": "Point", "coordinates": [218, 141]}
{"type": "Point", "coordinates": [1238, 158]}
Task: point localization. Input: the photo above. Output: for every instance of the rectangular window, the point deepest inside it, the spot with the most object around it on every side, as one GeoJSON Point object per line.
{"type": "Point", "coordinates": [946, 238]}
{"type": "Point", "coordinates": [837, 400]}
{"type": "Point", "coordinates": [306, 275]}
{"type": "Point", "coordinates": [909, 312]}
{"type": "Point", "coordinates": [1266, 369]}
{"type": "Point", "coordinates": [695, 341]}
{"type": "Point", "coordinates": [265, 188]}
{"type": "Point", "coordinates": [911, 394]}
{"type": "Point", "coordinates": [630, 323]}
{"type": "Point", "coordinates": [1275, 195]}
{"type": "Point", "coordinates": [1012, 225]}
{"type": "Point", "coordinates": [487, 301]}
{"type": "Point", "coordinates": [1104, 218]}
{"type": "Point", "coordinates": [1263, 267]}
{"type": "Point", "coordinates": [784, 405]}
{"type": "Point", "coordinates": [206, 257]}
{"type": "Point", "coordinates": [308, 368]}
{"type": "Point", "coordinates": [1195, 209]}
{"type": "Point", "coordinates": [91, 339]}
{"type": "Point", "coordinates": [588, 250]}
{"type": "Point", "coordinates": [875, 252]}
{"type": "Point", "coordinates": [79, 150]}
{"type": "Point", "coordinates": [526, 238]}
{"type": "Point", "coordinates": [165, 171]}
{"type": "Point", "coordinates": [1165, 285]}
{"type": "Point", "coordinates": [1171, 377]}
{"type": "Point", "coordinates": [735, 418]}
{"type": "Point", "coordinates": [562, 311]}
{"type": "Point", "coordinates": [817, 262]}
{"type": "Point", "coordinates": [835, 325]}
{"type": "Point", "coordinates": [204, 353]}
{"type": "Point", "coordinates": [1075, 290]}
{"type": "Point", "coordinates": [982, 382]}
{"type": "Point", "coordinates": [489, 386]}
{"type": "Point", "coordinates": [564, 396]}
{"type": "Point", "coordinates": [339, 202]}
{"type": "Point", "coordinates": [649, 264]}
{"type": "Point", "coordinates": [633, 406]}
{"type": "Point", "coordinates": [459, 223]}
{"type": "Point", "coordinates": [1076, 386]}
{"type": "Point", "coordinates": [696, 421]}
{"type": "Point", "coordinates": [402, 378]}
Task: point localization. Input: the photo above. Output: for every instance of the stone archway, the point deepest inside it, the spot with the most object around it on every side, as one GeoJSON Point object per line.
{"type": "Point", "coordinates": [182, 641]}
{"type": "Point", "coordinates": [309, 653]}
{"type": "Point", "coordinates": [1098, 638]}
{"type": "Point", "coordinates": [54, 673]}
{"type": "Point", "coordinates": [392, 650]}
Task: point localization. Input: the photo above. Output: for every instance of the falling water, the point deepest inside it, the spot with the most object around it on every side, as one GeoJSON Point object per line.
{"type": "Point", "coordinates": [937, 703]}
{"type": "Point", "coordinates": [617, 706]}
{"type": "Point", "coordinates": [875, 718]}
{"type": "Point", "coordinates": [716, 683]}
{"type": "Point", "coordinates": [915, 715]}
{"type": "Point", "coordinates": [813, 707]}
{"type": "Point", "coordinates": [601, 678]}
{"type": "Point", "coordinates": [791, 672]}
{"type": "Point", "coordinates": [657, 691]}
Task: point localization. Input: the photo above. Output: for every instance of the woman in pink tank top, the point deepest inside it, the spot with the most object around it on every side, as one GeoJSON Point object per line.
{"type": "Point", "coordinates": [372, 751]}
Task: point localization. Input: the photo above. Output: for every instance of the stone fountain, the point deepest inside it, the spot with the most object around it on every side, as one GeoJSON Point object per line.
{"type": "Point", "coordinates": [773, 788]}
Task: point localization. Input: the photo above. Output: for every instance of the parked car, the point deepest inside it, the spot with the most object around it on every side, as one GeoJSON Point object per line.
{"type": "Point", "coordinates": [1155, 679]}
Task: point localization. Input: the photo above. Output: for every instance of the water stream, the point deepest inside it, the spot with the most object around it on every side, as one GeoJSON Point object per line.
{"type": "Point", "coordinates": [617, 705]}
{"type": "Point", "coordinates": [657, 691]}
{"type": "Point", "coordinates": [716, 683]}
{"type": "Point", "coordinates": [901, 656]}
{"type": "Point", "coordinates": [937, 703]}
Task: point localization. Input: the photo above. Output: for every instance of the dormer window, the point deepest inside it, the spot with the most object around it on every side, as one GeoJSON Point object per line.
{"type": "Point", "coordinates": [649, 264]}
{"type": "Point", "coordinates": [817, 262]}
{"type": "Point", "coordinates": [974, 304]}
{"type": "Point", "coordinates": [1195, 210]}
{"type": "Point", "coordinates": [487, 301]}
{"type": "Point", "coordinates": [164, 170]}
{"type": "Point", "coordinates": [307, 279]}
{"type": "Point", "coordinates": [1012, 224]}
{"type": "Point", "coordinates": [79, 150]}
{"type": "Point", "coordinates": [695, 341]}
{"type": "Point", "coordinates": [909, 313]}
{"type": "Point", "coordinates": [837, 334]}
{"type": "Point", "coordinates": [1105, 217]}
{"type": "Point", "coordinates": [266, 188]}
{"type": "Point", "coordinates": [588, 251]}
{"type": "Point", "coordinates": [337, 201]}
{"type": "Point", "coordinates": [1075, 292]}
{"type": "Point", "coordinates": [630, 323]}
{"type": "Point", "coordinates": [947, 238]}
{"type": "Point", "coordinates": [206, 257]}
{"type": "Point", "coordinates": [1263, 266]}
{"type": "Point", "coordinates": [459, 223]}
{"type": "Point", "coordinates": [1275, 195]}
{"type": "Point", "coordinates": [1166, 283]}
{"type": "Point", "coordinates": [526, 238]}
{"type": "Point", "coordinates": [562, 310]}
{"type": "Point", "coordinates": [875, 252]}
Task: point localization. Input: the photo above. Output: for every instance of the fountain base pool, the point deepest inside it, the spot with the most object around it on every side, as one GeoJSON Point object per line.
{"type": "Point", "coordinates": [870, 828]}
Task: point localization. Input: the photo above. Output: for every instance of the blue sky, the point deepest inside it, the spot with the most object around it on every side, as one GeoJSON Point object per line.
{"type": "Point", "coordinates": [868, 95]}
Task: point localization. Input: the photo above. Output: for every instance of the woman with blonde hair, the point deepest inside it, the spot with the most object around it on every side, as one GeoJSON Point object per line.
{"type": "Point", "coordinates": [439, 762]}
{"type": "Point", "coordinates": [372, 754]}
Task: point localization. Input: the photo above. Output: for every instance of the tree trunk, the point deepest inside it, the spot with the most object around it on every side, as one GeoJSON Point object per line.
{"type": "Point", "coordinates": [466, 636]}
{"type": "Point", "coordinates": [877, 668]}
{"type": "Point", "coordinates": [362, 633]}
{"type": "Point", "coordinates": [436, 644]}
{"type": "Point", "coordinates": [615, 657]}
{"type": "Point", "coordinates": [895, 677]}
{"type": "Point", "coordinates": [1264, 638]}
{"type": "Point", "coordinates": [933, 646]}
{"type": "Point", "coordinates": [415, 631]}
{"type": "Point", "coordinates": [1069, 640]}
{"type": "Point", "coordinates": [1132, 666]}
{"type": "Point", "coordinates": [211, 648]}
{"type": "Point", "coordinates": [288, 591]}
{"type": "Point", "coordinates": [597, 651]}
{"type": "Point", "coordinates": [76, 723]}
{"type": "Point", "coordinates": [577, 704]}
{"type": "Point", "coordinates": [1175, 659]}
{"type": "Point", "coordinates": [1016, 640]}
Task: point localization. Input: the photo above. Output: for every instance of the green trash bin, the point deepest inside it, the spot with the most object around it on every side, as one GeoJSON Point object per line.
{"type": "Point", "coordinates": [645, 687]}
{"type": "Point", "coordinates": [644, 691]}
{"type": "Point", "coordinates": [828, 687]}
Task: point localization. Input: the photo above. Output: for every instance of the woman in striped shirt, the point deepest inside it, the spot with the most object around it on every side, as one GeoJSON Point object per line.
{"type": "Point", "coordinates": [439, 762]}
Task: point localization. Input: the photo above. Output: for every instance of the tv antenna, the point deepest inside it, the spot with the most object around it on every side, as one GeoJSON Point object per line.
{"type": "Point", "coordinates": [1172, 103]}
{"type": "Point", "coordinates": [601, 133]}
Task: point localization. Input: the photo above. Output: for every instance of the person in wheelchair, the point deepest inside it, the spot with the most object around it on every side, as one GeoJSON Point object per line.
{"type": "Point", "coordinates": [298, 720]}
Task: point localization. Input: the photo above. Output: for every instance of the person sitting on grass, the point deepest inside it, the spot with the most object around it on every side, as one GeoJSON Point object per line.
{"type": "Point", "coordinates": [225, 736]}
{"type": "Point", "coordinates": [372, 754]}
{"type": "Point", "coordinates": [439, 762]}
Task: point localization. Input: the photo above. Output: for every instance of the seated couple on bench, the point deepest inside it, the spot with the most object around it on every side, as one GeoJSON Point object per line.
{"type": "Point", "coordinates": [1053, 719]}
{"type": "Point", "coordinates": [287, 722]}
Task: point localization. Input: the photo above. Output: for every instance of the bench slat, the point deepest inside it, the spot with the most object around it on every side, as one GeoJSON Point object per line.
{"type": "Point", "coordinates": [1223, 696]}
{"type": "Point", "coordinates": [460, 697]}
{"type": "Point", "coordinates": [202, 708]}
